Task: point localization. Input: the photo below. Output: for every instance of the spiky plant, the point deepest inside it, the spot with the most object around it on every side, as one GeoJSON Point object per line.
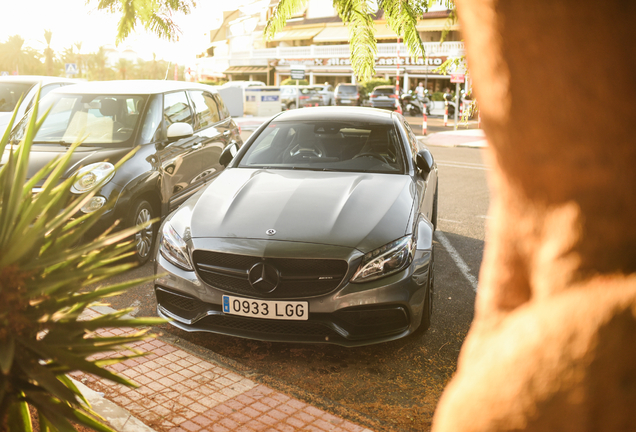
{"type": "Point", "coordinates": [45, 273]}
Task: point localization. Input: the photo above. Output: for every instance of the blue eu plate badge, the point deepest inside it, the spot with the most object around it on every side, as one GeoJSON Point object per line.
{"type": "Point", "coordinates": [226, 304]}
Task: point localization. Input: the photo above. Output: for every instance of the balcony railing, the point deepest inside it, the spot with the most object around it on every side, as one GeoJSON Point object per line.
{"type": "Point", "coordinates": [259, 57]}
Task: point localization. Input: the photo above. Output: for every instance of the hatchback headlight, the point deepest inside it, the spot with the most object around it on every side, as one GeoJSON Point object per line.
{"type": "Point", "coordinates": [91, 175]}
{"type": "Point", "coordinates": [386, 260]}
{"type": "Point", "coordinates": [173, 248]}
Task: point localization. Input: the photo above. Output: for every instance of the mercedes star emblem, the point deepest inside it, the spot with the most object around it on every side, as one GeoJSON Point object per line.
{"type": "Point", "coordinates": [270, 232]}
{"type": "Point", "coordinates": [263, 277]}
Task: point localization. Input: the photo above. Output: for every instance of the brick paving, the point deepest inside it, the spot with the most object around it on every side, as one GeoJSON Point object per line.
{"type": "Point", "coordinates": [180, 392]}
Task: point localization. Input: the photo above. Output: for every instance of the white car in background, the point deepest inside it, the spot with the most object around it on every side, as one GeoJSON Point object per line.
{"type": "Point", "coordinates": [26, 86]}
{"type": "Point", "coordinates": [326, 91]}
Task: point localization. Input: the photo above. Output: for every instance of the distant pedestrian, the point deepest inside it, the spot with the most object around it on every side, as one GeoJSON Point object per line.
{"type": "Point", "coordinates": [419, 90]}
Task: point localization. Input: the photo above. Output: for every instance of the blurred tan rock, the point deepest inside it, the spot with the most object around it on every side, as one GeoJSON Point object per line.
{"type": "Point", "coordinates": [553, 343]}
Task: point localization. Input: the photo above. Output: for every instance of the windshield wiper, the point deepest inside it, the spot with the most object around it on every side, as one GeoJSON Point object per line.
{"type": "Point", "coordinates": [60, 142]}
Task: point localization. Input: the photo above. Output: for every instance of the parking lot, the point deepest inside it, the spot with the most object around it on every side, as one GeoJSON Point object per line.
{"type": "Point", "coordinates": [391, 386]}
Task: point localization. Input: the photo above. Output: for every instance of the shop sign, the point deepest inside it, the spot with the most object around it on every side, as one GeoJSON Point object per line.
{"type": "Point", "coordinates": [408, 61]}
{"type": "Point", "coordinates": [457, 78]}
{"type": "Point", "coordinates": [346, 61]}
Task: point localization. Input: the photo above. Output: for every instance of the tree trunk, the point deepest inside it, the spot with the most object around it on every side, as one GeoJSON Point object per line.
{"type": "Point", "coordinates": [553, 343]}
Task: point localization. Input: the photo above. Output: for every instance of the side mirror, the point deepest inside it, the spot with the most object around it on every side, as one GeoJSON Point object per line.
{"type": "Point", "coordinates": [424, 161]}
{"type": "Point", "coordinates": [177, 131]}
{"type": "Point", "coordinates": [228, 154]}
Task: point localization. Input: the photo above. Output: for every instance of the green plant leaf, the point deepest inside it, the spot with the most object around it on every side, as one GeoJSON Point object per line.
{"type": "Point", "coordinates": [7, 350]}
{"type": "Point", "coordinates": [19, 417]}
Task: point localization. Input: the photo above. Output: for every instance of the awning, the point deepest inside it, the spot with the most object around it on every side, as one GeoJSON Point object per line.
{"type": "Point", "coordinates": [436, 24]}
{"type": "Point", "coordinates": [333, 34]}
{"type": "Point", "coordinates": [245, 69]}
{"type": "Point", "coordinates": [383, 31]}
{"type": "Point", "coordinates": [297, 34]}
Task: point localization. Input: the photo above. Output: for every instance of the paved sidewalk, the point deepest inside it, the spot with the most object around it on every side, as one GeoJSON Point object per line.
{"type": "Point", "coordinates": [180, 392]}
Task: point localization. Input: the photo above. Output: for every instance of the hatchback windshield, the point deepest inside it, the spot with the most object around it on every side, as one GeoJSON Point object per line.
{"type": "Point", "coordinates": [384, 91]}
{"type": "Point", "coordinates": [10, 94]}
{"type": "Point", "coordinates": [327, 146]}
{"type": "Point", "coordinates": [96, 119]}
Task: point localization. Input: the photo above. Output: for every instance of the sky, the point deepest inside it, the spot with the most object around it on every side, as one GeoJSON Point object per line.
{"type": "Point", "coordinates": [74, 21]}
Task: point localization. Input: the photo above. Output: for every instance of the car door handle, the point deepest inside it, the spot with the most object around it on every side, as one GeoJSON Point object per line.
{"type": "Point", "coordinates": [197, 146]}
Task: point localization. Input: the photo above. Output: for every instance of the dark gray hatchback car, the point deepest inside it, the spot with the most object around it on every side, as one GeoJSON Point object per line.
{"type": "Point", "coordinates": [319, 230]}
{"type": "Point", "coordinates": [180, 129]}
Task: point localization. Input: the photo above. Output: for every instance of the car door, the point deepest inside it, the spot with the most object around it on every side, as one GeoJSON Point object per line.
{"type": "Point", "coordinates": [179, 160]}
{"type": "Point", "coordinates": [211, 133]}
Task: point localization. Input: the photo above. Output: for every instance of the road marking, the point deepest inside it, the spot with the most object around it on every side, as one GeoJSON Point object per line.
{"type": "Point", "coordinates": [135, 306]}
{"type": "Point", "coordinates": [448, 220]}
{"type": "Point", "coordinates": [483, 217]}
{"type": "Point", "coordinates": [461, 264]}
{"type": "Point", "coordinates": [482, 168]}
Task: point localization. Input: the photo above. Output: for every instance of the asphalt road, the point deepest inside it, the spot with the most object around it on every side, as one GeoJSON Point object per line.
{"type": "Point", "coordinates": [391, 386]}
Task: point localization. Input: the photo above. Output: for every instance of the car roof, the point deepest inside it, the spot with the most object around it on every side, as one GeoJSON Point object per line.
{"type": "Point", "coordinates": [134, 87]}
{"type": "Point", "coordinates": [35, 79]}
{"type": "Point", "coordinates": [338, 113]}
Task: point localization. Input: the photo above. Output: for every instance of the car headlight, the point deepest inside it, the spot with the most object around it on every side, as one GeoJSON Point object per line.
{"type": "Point", "coordinates": [386, 260]}
{"type": "Point", "coordinates": [173, 248]}
{"type": "Point", "coordinates": [91, 175]}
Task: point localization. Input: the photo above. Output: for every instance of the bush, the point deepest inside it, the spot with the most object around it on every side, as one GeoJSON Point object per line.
{"type": "Point", "coordinates": [369, 85]}
{"type": "Point", "coordinates": [437, 96]}
{"type": "Point", "coordinates": [45, 274]}
{"type": "Point", "coordinates": [290, 81]}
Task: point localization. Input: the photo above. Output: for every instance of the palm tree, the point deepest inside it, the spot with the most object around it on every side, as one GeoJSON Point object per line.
{"type": "Point", "coordinates": [48, 52]}
{"type": "Point", "coordinates": [124, 66]}
{"type": "Point", "coordinates": [13, 53]}
{"type": "Point", "coordinates": [78, 45]}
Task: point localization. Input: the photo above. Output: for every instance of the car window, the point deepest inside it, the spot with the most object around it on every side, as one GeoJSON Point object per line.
{"type": "Point", "coordinates": [347, 89]}
{"type": "Point", "coordinates": [94, 119]}
{"type": "Point", "coordinates": [412, 139]}
{"type": "Point", "coordinates": [327, 146]}
{"type": "Point", "coordinates": [224, 112]}
{"type": "Point", "coordinates": [151, 130]}
{"type": "Point", "coordinates": [176, 108]}
{"type": "Point", "coordinates": [206, 110]}
{"type": "Point", "coordinates": [45, 90]}
{"type": "Point", "coordinates": [384, 91]}
{"type": "Point", "coordinates": [10, 94]}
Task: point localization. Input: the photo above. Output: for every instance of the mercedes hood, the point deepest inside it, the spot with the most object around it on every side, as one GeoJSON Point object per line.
{"type": "Point", "coordinates": [356, 210]}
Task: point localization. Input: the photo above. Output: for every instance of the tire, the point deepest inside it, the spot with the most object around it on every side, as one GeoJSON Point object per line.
{"type": "Point", "coordinates": [291, 106]}
{"type": "Point", "coordinates": [413, 111]}
{"type": "Point", "coordinates": [144, 240]}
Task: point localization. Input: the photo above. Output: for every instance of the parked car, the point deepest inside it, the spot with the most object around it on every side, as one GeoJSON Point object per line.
{"type": "Point", "coordinates": [12, 88]}
{"type": "Point", "coordinates": [351, 94]}
{"type": "Point", "coordinates": [327, 93]}
{"type": "Point", "coordinates": [308, 96]}
{"type": "Point", "coordinates": [181, 129]}
{"type": "Point", "coordinates": [319, 230]}
{"type": "Point", "coordinates": [385, 97]}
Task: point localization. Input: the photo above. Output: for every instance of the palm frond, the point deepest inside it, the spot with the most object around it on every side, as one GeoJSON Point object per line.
{"type": "Point", "coordinates": [284, 10]}
{"type": "Point", "coordinates": [363, 47]}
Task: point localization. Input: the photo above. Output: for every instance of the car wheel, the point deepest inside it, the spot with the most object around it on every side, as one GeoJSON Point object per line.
{"type": "Point", "coordinates": [413, 112]}
{"type": "Point", "coordinates": [291, 106]}
{"type": "Point", "coordinates": [144, 240]}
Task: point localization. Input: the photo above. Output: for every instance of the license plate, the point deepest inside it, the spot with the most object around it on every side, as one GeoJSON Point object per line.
{"type": "Point", "coordinates": [269, 309]}
{"type": "Point", "coordinates": [345, 101]}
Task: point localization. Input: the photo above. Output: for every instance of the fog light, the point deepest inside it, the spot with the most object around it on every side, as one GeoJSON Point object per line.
{"type": "Point", "coordinates": [94, 204]}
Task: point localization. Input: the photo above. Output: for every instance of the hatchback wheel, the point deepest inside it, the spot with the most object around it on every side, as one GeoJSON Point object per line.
{"type": "Point", "coordinates": [145, 238]}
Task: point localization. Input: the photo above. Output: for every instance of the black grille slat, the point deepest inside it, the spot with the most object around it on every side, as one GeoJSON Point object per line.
{"type": "Point", "coordinates": [268, 327]}
{"type": "Point", "coordinates": [300, 277]}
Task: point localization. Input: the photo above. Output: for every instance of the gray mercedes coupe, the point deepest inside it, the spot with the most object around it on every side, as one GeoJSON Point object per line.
{"type": "Point", "coordinates": [319, 230]}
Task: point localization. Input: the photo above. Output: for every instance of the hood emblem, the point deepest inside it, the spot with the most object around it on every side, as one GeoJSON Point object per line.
{"type": "Point", "coordinates": [264, 277]}
{"type": "Point", "coordinates": [270, 232]}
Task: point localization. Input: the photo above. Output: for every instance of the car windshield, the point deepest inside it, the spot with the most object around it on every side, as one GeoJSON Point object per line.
{"type": "Point", "coordinates": [350, 89]}
{"type": "Point", "coordinates": [93, 118]}
{"type": "Point", "coordinates": [10, 94]}
{"type": "Point", "coordinates": [327, 146]}
{"type": "Point", "coordinates": [384, 91]}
